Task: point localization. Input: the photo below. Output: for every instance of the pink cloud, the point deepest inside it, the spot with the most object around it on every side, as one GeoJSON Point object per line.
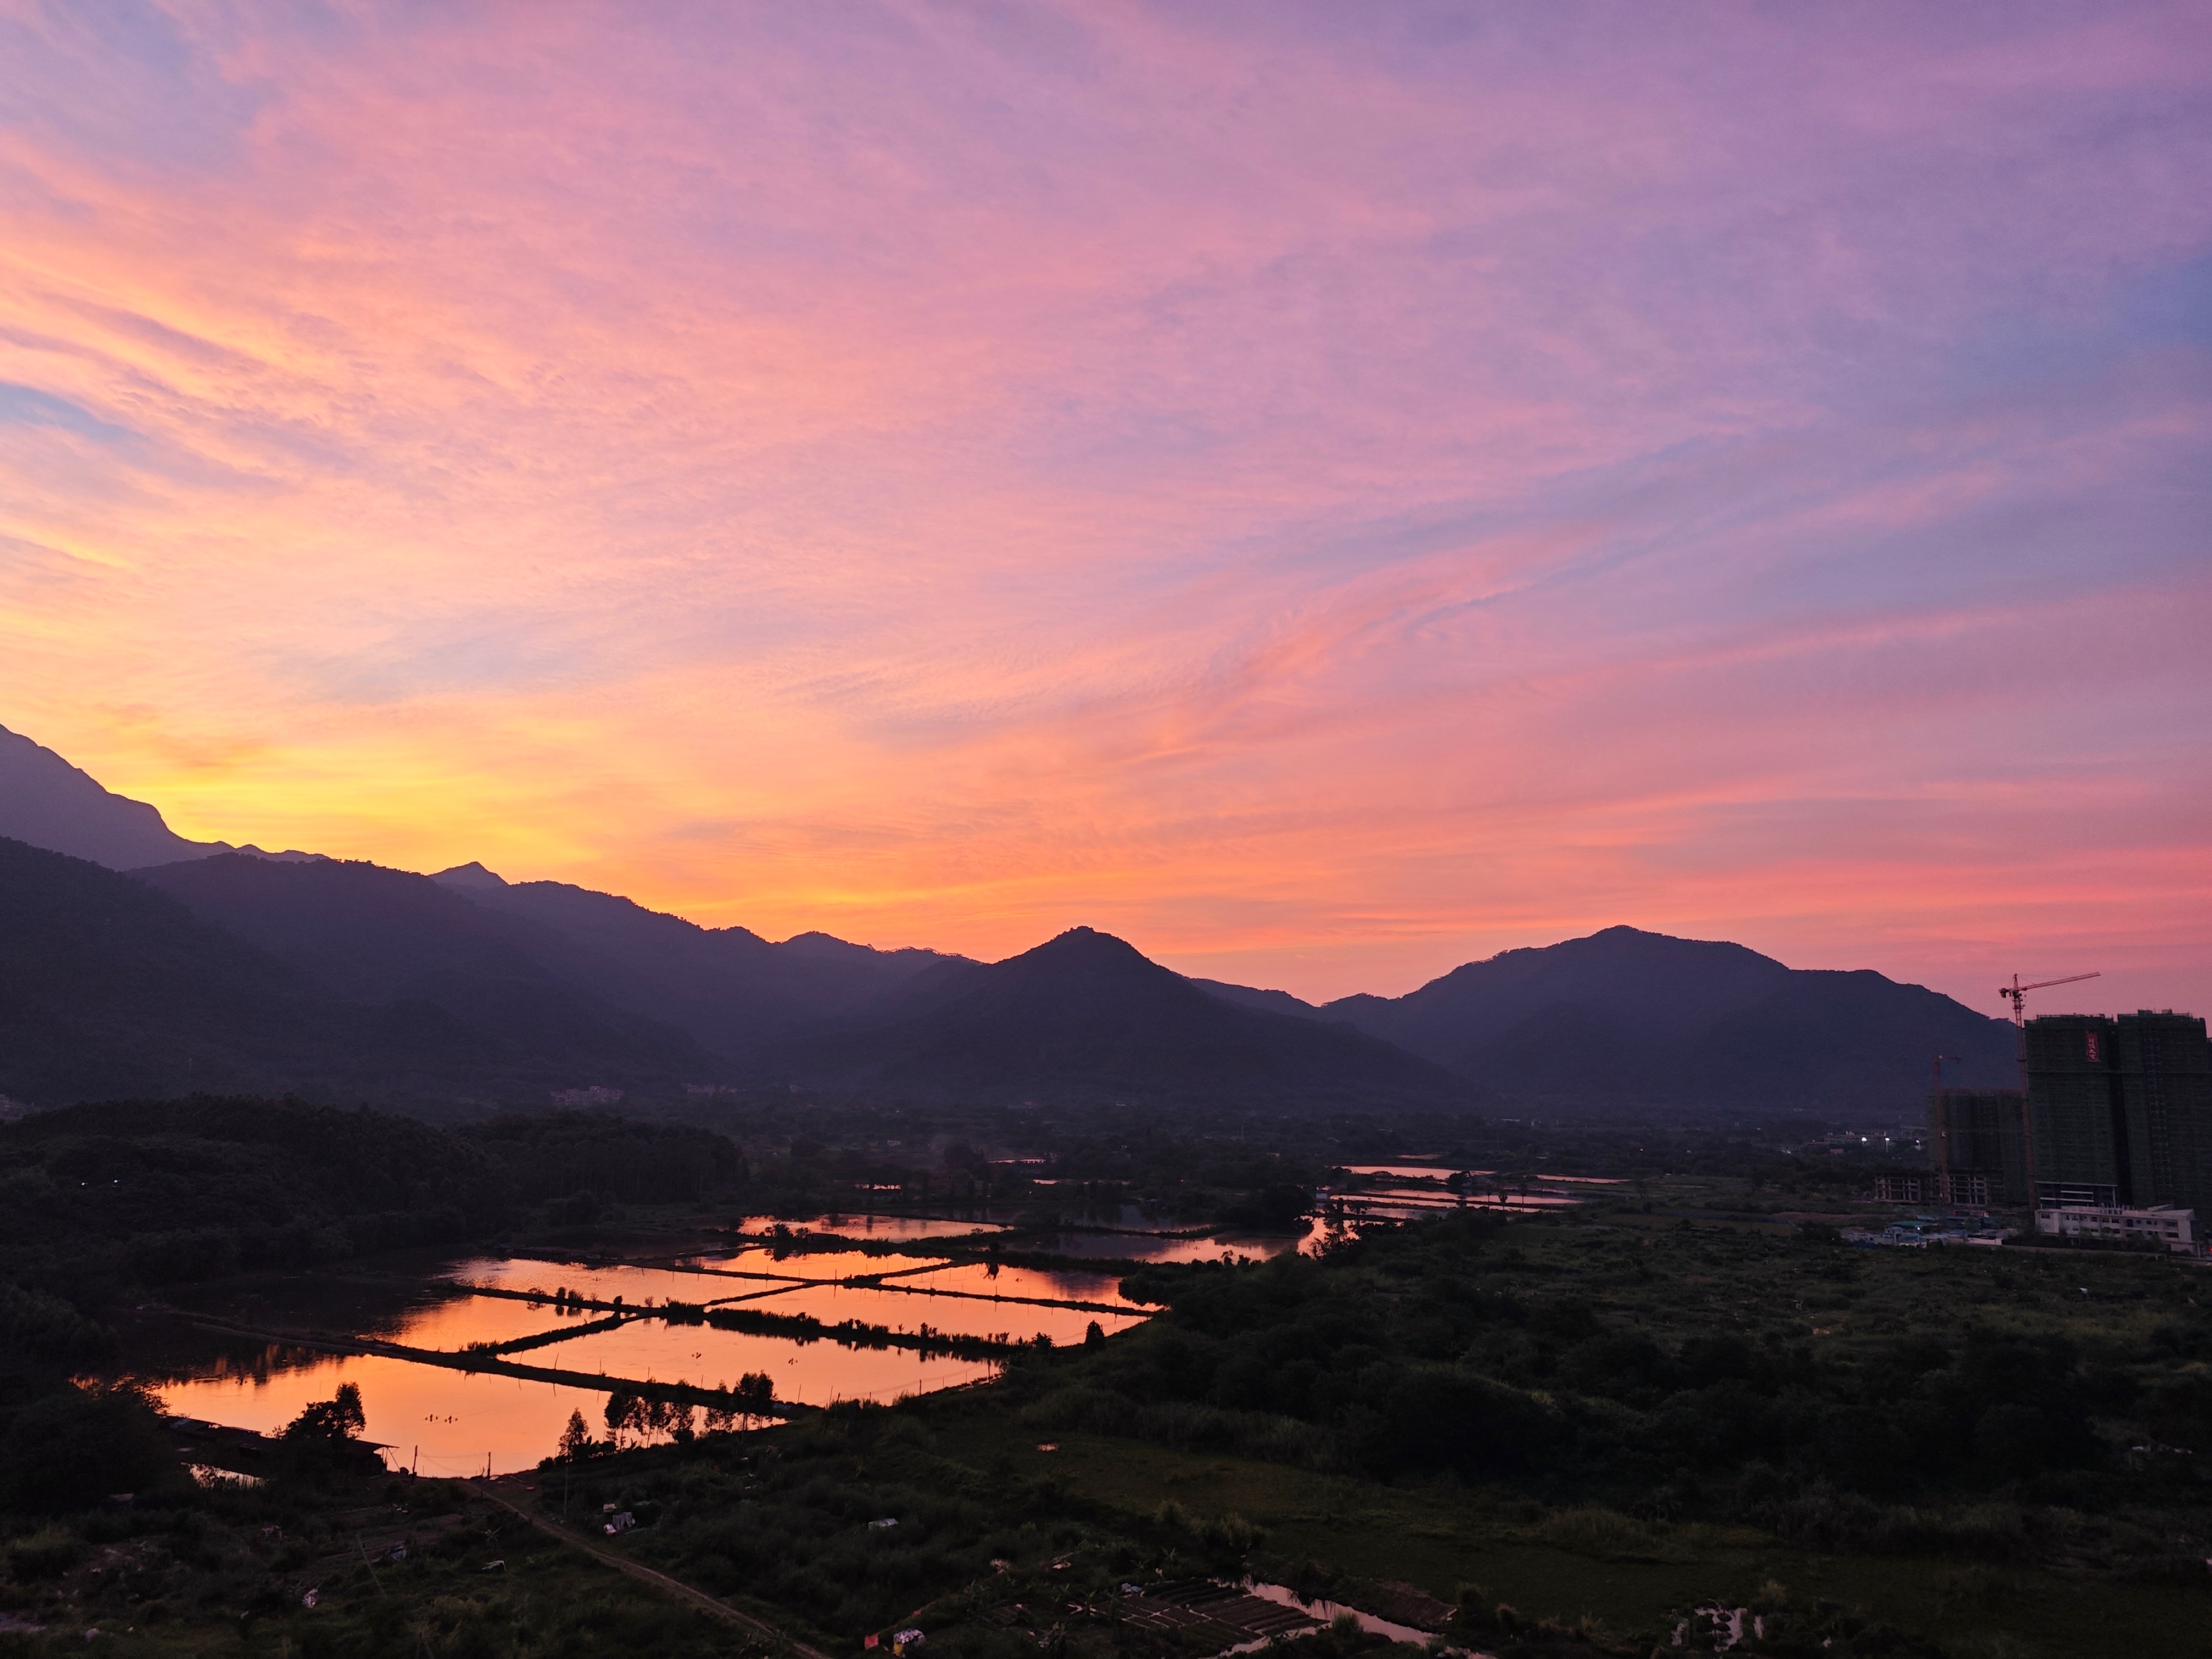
{"type": "Point", "coordinates": [1328, 501]}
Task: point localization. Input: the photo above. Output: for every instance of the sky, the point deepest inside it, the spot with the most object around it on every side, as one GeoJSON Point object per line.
{"type": "Point", "coordinates": [1324, 492]}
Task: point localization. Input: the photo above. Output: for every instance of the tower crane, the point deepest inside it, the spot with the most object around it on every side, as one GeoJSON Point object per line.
{"type": "Point", "coordinates": [2016, 994]}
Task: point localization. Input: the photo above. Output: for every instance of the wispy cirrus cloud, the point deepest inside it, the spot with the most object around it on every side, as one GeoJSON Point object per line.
{"type": "Point", "coordinates": [1330, 493]}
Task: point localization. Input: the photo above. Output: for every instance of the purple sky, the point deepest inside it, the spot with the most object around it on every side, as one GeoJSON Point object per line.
{"type": "Point", "coordinates": [1324, 491]}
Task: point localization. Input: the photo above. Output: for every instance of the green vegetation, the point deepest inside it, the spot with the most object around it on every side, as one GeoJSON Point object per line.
{"type": "Point", "coordinates": [103, 1202]}
{"type": "Point", "coordinates": [1497, 1459]}
{"type": "Point", "coordinates": [230, 1571]}
{"type": "Point", "coordinates": [1600, 1428]}
{"type": "Point", "coordinates": [1572, 1432]}
{"type": "Point", "coordinates": [1677, 1372]}
{"type": "Point", "coordinates": [1940, 1441]}
{"type": "Point", "coordinates": [592, 1160]}
{"type": "Point", "coordinates": [100, 1202]}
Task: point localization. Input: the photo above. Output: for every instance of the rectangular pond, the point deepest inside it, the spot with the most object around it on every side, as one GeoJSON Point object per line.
{"type": "Point", "coordinates": [451, 1420]}
{"type": "Point", "coordinates": [1151, 1247]}
{"type": "Point", "coordinates": [955, 1316]}
{"type": "Point", "coordinates": [899, 1228]}
{"type": "Point", "coordinates": [1041, 1283]}
{"type": "Point", "coordinates": [454, 1420]}
{"type": "Point", "coordinates": [812, 1373]}
{"type": "Point", "coordinates": [640, 1287]}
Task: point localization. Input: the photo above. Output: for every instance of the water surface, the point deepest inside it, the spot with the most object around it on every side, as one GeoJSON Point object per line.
{"type": "Point", "coordinates": [1044, 1284]}
{"type": "Point", "coordinates": [1143, 1247]}
{"type": "Point", "coordinates": [1413, 1171]}
{"type": "Point", "coordinates": [453, 1420]}
{"type": "Point", "coordinates": [644, 1286]}
{"type": "Point", "coordinates": [955, 1316]}
{"type": "Point", "coordinates": [899, 1228]}
{"type": "Point", "coordinates": [815, 1373]}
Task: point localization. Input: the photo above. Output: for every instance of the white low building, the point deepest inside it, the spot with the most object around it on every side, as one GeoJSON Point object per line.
{"type": "Point", "coordinates": [2162, 1225]}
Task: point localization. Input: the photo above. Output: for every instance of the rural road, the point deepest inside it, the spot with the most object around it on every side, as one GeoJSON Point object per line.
{"type": "Point", "coordinates": [638, 1570]}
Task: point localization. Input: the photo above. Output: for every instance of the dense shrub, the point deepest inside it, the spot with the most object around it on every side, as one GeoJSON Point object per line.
{"type": "Point", "coordinates": [73, 1449]}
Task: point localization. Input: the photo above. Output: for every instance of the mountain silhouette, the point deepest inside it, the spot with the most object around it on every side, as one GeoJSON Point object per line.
{"type": "Point", "coordinates": [333, 973]}
{"type": "Point", "coordinates": [109, 988]}
{"type": "Point", "coordinates": [731, 989]}
{"type": "Point", "coordinates": [46, 803]}
{"type": "Point", "coordinates": [1625, 1017]}
{"type": "Point", "coordinates": [363, 933]}
{"type": "Point", "coordinates": [1085, 1016]}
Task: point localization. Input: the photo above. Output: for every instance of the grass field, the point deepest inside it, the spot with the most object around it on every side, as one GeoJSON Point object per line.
{"type": "Point", "coordinates": [1573, 1564]}
{"type": "Point", "coordinates": [1620, 1339]}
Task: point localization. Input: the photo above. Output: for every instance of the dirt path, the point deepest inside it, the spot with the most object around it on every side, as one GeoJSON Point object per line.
{"type": "Point", "coordinates": [638, 1570]}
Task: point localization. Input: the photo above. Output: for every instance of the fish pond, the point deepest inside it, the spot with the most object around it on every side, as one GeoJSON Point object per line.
{"type": "Point", "coordinates": [478, 1363]}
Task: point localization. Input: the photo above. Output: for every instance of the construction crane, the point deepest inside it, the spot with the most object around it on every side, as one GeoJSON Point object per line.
{"type": "Point", "coordinates": [2016, 994]}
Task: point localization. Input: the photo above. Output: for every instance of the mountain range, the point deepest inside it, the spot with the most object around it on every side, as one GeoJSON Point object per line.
{"type": "Point", "coordinates": [46, 802]}
{"type": "Point", "coordinates": [142, 963]}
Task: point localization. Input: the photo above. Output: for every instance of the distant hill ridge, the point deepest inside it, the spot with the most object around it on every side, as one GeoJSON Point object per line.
{"type": "Point", "coordinates": [1087, 1017]}
{"type": "Point", "coordinates": [526, 981]}
{"type": "Point", "coordinates": [1625, 1017]}
{"type": "Point", "coordinates": [47, 802]}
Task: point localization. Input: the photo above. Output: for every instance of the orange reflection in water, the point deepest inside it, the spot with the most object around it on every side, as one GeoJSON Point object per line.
{"type": "Point", "coordinates": [451, 1326]}
{"type": "Point", "coordinates": [1137, 1247]}
{"type": "Point", "coordinates": [1409, 1171]}
{"type": "Point", "coordinates": [979, 1278]}
{"type": "Point", "coordinates": [806, 1373]}
{"type": "Point", "coordinates": [899, 1227]}
{"type": "Point", "coordinates": [642, 1286]}
{"type": "Point", "coordinates": [451, 1420]}
{"type": "Point", "coordinates": [955, 1316]}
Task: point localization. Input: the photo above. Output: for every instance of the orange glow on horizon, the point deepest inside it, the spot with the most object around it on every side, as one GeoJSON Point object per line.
{"type": "Point", "coordinates": [1325, 507]}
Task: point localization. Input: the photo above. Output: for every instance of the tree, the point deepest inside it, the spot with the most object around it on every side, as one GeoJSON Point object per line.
{"type": "Point", "coordinates": [338, 1419]}
{"type": "Point", "coordinates": [576, 1442]}
{"type": "Point", "coordinates": [73, 1448]}
{"type": "Point", "coordinates": [756, 1394]}
{"type": "Point", "coordinates": [621, 1406]}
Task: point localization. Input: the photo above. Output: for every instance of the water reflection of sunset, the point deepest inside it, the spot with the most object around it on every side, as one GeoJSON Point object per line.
{"type": "Point", "coordinates": [1139, 1247]}
{"type": "Point", "coordinates": [901, 1228]}
{"type": "Point", "coordinates": [985, 1279]}
{"type": "Point", "coordinates": [813, 1373]}
{"type": "Point", "coordinates": [451, 1420]}
{"type": "Point", "coordinates": [637, 1286]}
{"type": "Point", "coordinates": [457, 1419]}
{"type": "Point", "coordinates": [961, 1315]}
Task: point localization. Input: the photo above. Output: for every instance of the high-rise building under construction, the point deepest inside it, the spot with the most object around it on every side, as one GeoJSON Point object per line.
{"type": "Point", "coordinates": [1976, 1147]}
{"type": "Point", "coordinates": [2120, 1111]}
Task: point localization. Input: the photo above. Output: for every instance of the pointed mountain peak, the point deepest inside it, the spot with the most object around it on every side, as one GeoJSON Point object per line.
{"type": "Point", "coordinates": [470, 874]}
